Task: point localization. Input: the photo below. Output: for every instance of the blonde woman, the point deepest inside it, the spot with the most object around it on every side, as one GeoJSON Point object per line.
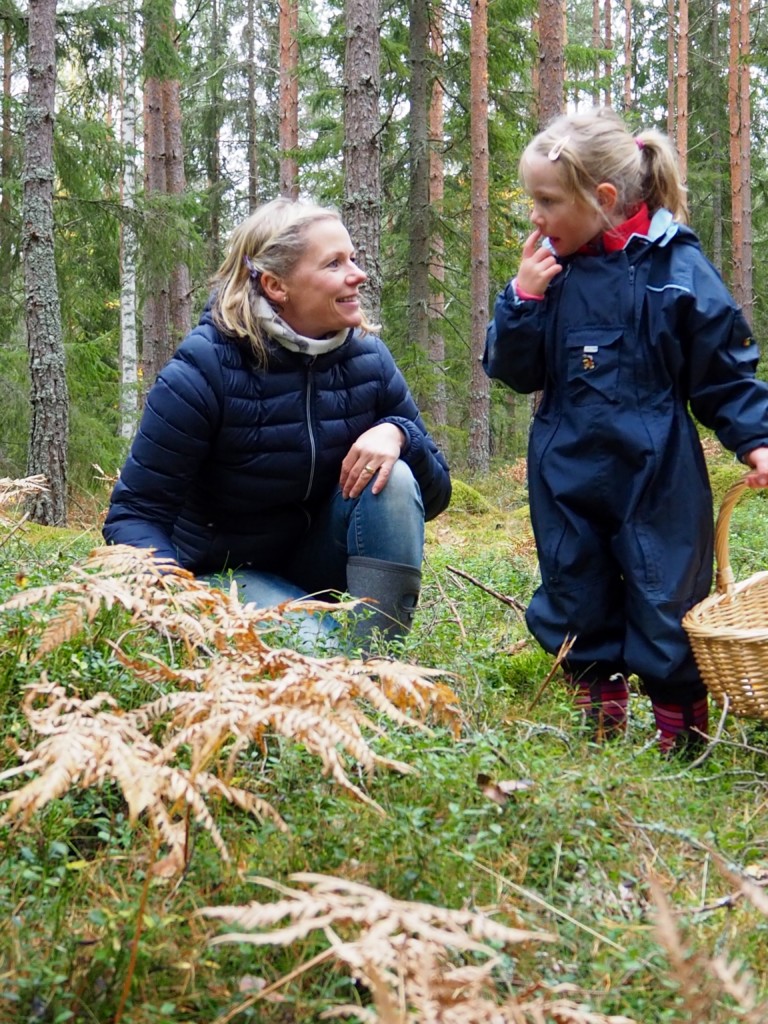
{"type": "Point", "coordinates": [281, 440]}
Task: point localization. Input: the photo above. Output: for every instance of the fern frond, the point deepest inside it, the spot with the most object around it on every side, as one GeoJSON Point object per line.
{"type": "Point", "coordinates": [84, 745]}
{"type": "Point", "coordinates": [404, 953]}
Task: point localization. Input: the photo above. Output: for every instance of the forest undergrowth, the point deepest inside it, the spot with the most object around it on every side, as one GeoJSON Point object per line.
{"type": "Point", "coordinates": [202, 823]}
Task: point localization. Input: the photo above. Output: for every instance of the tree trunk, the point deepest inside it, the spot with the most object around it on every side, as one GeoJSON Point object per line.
{"type": "Point", "coordinates": [628, 61]}
{"type": "Point", "coordinates": [671, 69]}
{"type": "Point", "coordinates": [435, 406]}
{"type": "Point", "coordinates": [551, 60]}
{"type": "Point", "coordinates": [745, 126]}
{"type": "Point", "coordinates": [718, 162]}
{"type": "Point", "coordinates": [213, 136]}
{"type": "Point", "coordinates": [180, 292]}
{"type": "Point", "coordinates": [736, 153]}
{"type": "Point", "coordinates": [167, 304]}
{"type": "Point", "coordinates": [536, 71]}
{"type": "Point", "coordinates": [595, 48]}
{"type": "Point", "coordinates": [6, 157]}
{"type": "Point", "coordinates": [156, 347]}
{"type": "Point", "coordinates": [479, 399]}
{"type": "Point", "coordinates": [682, 87]}
{"type": "Point", "coordinates": [361, 204]}
{"type": "Point", "coordinates": [419, 212]}
{"type": "Point", "coordinates": [251, 113]}
{"type": "Point", "coordinates": [289, 97]}
{"type": "Point", "coordinates": [49, 426]}
{"type": "Point", "coordinates": [608, 45]}
{"type": "Point", "coordinates": [129, 349]}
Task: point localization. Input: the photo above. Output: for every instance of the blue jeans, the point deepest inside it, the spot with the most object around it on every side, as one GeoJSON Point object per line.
{"type": "Point", "coordinates": [388, 525]}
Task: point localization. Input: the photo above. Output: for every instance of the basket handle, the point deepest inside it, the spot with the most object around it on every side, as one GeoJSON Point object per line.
{"type": "Point", "coordinates": [724, 580]}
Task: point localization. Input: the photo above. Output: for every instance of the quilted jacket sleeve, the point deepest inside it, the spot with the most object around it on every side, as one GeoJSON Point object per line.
{"type": "Point", "coordinates": [420, 453]}
{"type": "Point", "coordinates": [721, 359]}
{"type": "Point", "coordinates": [180, 419]}
{"type": "Point", "coordinates": [514, 343]}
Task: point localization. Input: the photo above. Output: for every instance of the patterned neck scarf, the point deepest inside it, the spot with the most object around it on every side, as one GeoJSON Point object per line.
{"type": "Point", "coordinates": [284, 335]}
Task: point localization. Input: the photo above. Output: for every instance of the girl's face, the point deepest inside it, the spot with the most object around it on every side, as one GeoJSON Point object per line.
{"type": "Point", "coordinates": [321, 295]}
{"type": "Point", "coordinates": [567, 221]}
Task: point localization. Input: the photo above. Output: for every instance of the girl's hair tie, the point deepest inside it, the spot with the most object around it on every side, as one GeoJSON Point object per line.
{"type": "Point", "coordinates": [253, 270]}
{"type": "Point", "coordinates": [639, 143]}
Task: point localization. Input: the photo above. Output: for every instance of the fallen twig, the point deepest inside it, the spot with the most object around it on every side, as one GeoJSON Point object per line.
{"type": "Point", "coordinates": [560, 657]}
{"type": "Point", "coordinates": [451, 604]}
{"type": "Point", "coordinates": [512, 602]}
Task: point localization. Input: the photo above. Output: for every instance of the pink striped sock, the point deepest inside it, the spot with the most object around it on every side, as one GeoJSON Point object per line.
{"type": "Point", "coordinates": [675, 721]}
{"type": "Point", "coordinates": [604, 702]}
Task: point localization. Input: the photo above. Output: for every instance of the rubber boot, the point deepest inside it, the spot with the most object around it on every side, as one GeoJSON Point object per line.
{"type": "Point", "coordinates": [392, 590]}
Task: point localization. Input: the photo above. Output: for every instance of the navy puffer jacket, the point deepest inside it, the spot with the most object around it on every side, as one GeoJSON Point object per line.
{"type": "Point", "coordinates": [230, 461]}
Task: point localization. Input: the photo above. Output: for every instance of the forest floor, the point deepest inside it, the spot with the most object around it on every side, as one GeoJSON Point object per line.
{"type": "Point", "coordinates": [489, 860]}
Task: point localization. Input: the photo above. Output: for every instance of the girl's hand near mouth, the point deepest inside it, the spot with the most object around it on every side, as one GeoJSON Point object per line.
{"type": "Point", "coordinates": [537, 267]}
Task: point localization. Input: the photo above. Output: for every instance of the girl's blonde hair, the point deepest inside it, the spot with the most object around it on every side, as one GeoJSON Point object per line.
{"type": "Point", "coordinates": [273, 240]}
{"type": "Point", "coordinates": [597, 146]}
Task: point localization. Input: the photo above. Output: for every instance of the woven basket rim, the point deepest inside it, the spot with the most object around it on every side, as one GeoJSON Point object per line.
{"type": "Point", "coordinates": [731, 656]}
{"type": "Point", "coordinates": [696, 618]}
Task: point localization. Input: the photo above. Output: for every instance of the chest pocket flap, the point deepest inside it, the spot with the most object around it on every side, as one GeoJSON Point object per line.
{"type": "Point", "coordinates": [593, 364]}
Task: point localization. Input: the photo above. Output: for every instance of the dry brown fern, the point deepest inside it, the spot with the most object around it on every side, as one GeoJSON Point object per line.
{"type": "Point", "coordinates": [235, 691]}
{"type": "Point", "coordinates": [704, 981]}
{"type": "Point", "coordinates": [167, 599]}
{"type": "Point", "coordinates": [87, 743]}
{"type": "Point", "coordinates": [403, 952]}
{"type": "Point", "coordinates": [12, 492]}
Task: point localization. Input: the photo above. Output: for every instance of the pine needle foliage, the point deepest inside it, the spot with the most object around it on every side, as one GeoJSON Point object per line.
{"type": "Point", "coordinates": [233, 691]}
{"type": "Point", "coordinates": [416, 959]}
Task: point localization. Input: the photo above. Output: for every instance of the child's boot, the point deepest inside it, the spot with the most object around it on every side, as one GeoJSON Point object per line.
{"type": "Point", "coordinates": [604, 703]}
{"type": "Point", "coordinates": [680, 725]}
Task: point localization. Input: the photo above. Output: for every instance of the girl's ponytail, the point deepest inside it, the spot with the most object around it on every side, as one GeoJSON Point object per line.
{"type": "Point", "coordinates": [663, 185]}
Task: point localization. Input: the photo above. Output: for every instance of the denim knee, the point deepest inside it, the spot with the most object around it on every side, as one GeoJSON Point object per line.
{"type": "Point", "coordinates": [390, 525]}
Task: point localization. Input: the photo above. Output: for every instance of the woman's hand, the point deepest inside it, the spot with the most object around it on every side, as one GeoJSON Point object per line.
{"type": "Point", "coordinates": [537, 267]}
{"type": "Point", "coordinates": [758, 460]}
{"type": "Point", "coordinates": [371, 458]}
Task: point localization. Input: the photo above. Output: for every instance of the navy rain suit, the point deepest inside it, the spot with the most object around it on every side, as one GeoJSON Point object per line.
{"type": "Point", "coordinates": [621, 345]}
{"type": "Point", "coordinates": [231, 462]}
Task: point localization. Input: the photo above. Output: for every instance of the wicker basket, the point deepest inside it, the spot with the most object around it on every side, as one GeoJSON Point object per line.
{"type": "Point", "coordinates": [729, 630]}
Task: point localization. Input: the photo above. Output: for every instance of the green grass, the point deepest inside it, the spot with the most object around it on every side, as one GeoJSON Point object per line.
{"type": "Point", "coordinates": [575, 850]}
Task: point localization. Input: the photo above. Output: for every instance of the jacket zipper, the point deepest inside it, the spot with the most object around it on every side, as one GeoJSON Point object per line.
{"type": "Point", "coordinates": [310, 431]}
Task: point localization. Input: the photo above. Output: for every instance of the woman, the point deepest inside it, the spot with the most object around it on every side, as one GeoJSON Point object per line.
{"type": "Point", "coordinates": [281, 441]}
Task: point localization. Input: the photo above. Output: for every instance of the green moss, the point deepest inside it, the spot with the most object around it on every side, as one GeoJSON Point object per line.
{"type": "Point", "coordinates": [467, 499]}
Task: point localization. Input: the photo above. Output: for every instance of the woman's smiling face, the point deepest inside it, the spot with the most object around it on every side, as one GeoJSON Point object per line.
{"type": "Point", "coordinates": [566, 220]}
{"type": "Point", "coordinates": [322, 291]}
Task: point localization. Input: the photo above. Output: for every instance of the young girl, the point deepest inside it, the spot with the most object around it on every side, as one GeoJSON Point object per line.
{"type": "Point", "coordinates": [621, 321]}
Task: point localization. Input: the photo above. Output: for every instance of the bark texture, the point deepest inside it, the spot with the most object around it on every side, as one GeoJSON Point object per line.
{"type": "Point", "coordinates": [479, 396]}
{"type": "Point", "coordinates": [551, 75]}
{"type": "Point", "coordinates": [289, 97]}
{"type": "Point", "coordinates": [361, 204]}
{"type": "Point", "coordinates": [49, 426]}
{"type": "Point", "coordinates": [419, 212]}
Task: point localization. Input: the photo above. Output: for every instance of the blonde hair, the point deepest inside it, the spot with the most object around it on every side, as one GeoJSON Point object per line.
{"type": "Point", "coordinates": [597, 146]}
{"type": "Point", "coordinates": [272, 240]}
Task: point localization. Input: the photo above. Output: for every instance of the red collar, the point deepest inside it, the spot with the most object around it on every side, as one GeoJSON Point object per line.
{"type": "Point", "coordinates": [616, 239]}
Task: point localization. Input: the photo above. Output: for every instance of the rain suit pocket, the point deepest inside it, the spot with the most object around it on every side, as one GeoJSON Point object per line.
{"type": "Point", "coordinates": [593, 364]}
